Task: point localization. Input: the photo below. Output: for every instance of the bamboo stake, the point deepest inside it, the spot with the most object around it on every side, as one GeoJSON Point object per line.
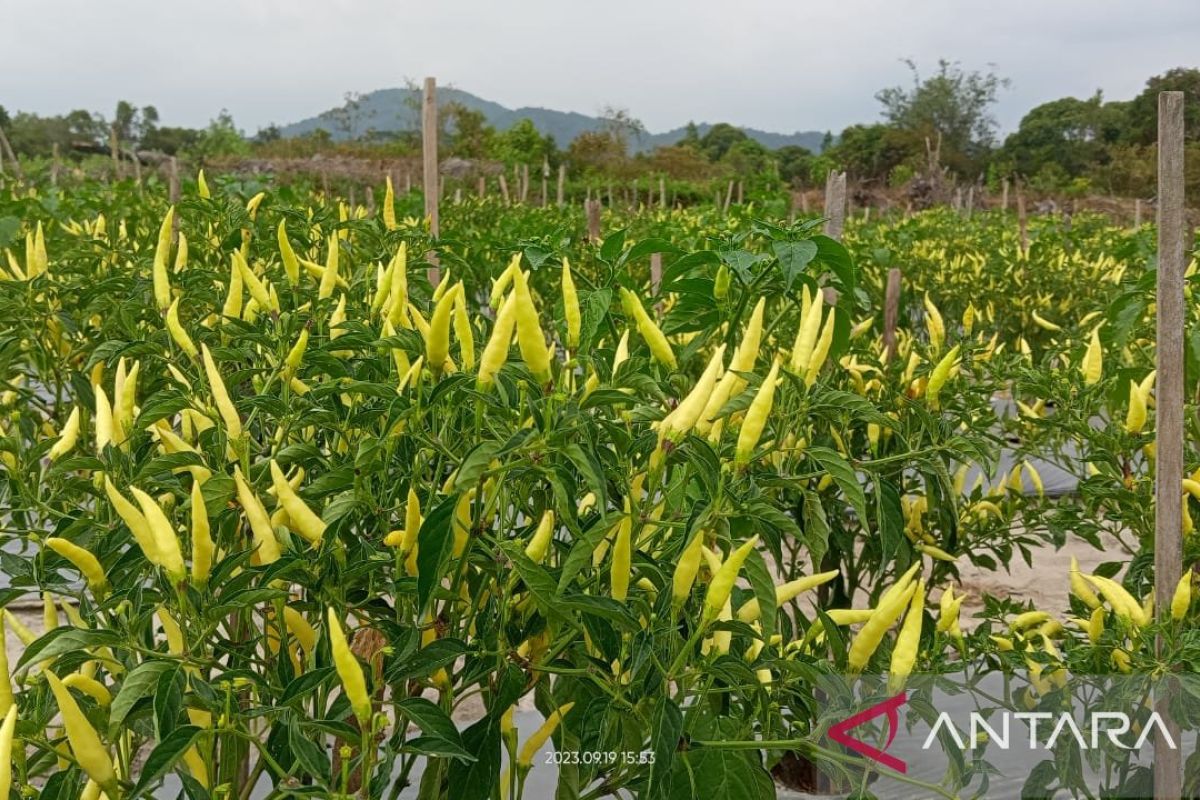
{"type": "Point", "coordinates": [429, 166]}
{"type": "Point", "coordinates": [1168, 396]}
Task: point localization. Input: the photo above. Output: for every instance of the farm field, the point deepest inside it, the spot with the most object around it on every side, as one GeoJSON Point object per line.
{"type": "Point", "coordinates": [308, 498]}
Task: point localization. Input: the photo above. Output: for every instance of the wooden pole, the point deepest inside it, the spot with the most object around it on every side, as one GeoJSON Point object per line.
{"type": "Point", "coordinates": [173, 194]}
{"type": "Point", "coordinates": [1137, 213]}
{"type": "Point", "coordinates": [7, 147]}
{"type": "Point", "coordinates": [891, 312]}
{"type": "Point", "coordinates": [429, 165]}
{"type": "Point", "coordinates": [481, 189]}
{"type": "Point", "coordinates": [1168, 396]}
{"type": "Point", "coordinates": [662, 192]}
{"type": "Point", "coordinates": [114, 146]}
{"type": "Point", "coordinates": [562, 185]}
{"type": "Point", "coordinates": [545, 180]}
{"type": "Point", "coordinates": [741, 195]}
{"type": "Point", "coordinates": [835, 204]}
{"type": "Point", "coordinates": [1004, 195]}
{"type": "Point", "coordinates": [504, 189]}
{"type": "Point", "coordinates": [55, 165]}
{"type": "Point", "coordinates": [524, 183]}
{"type": "Point", "coordinates": [592, 209]}
{"type": "Point", "coordinates": [1022, 222]}
{"type": "Point", "coordinates": [370, 201]}
{"type": "Point", "coordinates": [728, 198]}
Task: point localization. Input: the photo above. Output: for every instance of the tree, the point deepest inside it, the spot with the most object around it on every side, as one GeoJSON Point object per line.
{"type": "Point", "coordinates": [795, 164]}
{"type": "Point", "coordinates": [221, 138]}
{"type": "Point", "coordinates": [952, 102]}
{"type": "Point", "coordinates": [524, 144]}
{"type": "Point", "coordinates": [1069, 135]}
{"type": "Point", "coordinates": [1143, 109]}
{"type": "Point", "coordinates": [597, 153]}
{"type": "Point", "coordinates": [718, 140]}
{"type": "Point", "coordinates": [469, 136]}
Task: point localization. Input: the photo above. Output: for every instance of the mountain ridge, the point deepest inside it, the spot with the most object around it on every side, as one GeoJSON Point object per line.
{"type": "Point", "coordinates": [398, 110]}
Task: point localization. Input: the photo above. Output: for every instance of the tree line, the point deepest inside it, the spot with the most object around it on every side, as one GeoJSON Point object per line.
{"type": "Point", "coordinates": [1070, 145]}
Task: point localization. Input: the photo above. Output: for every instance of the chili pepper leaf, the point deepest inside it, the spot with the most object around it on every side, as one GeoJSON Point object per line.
{"type": "Point", "coordinates": [434, 544]}
{"type": "Point", "coordinates": [138, 684]}
{"type": "Point", "coordinates": [612, 246]}
{"type": "Point", "coordinates": [426, 661]}
{"type": "Point", "coordinates": [474, 780]}
{"type": "Point", "coordinates": [585, 461]}
{"type": "Point", "coordinates": [168, 701]}
{"type": "Point", "coordinates": [312, 757]}
{"type": "Point", "coordinates": [581, 551]}
{"type": "Point", "coordinates": [65, 640]}
{"type": "Point", "coordinates": [793, 258]}
{"type": "Point", "coordinates": [889, 518]}
{"type": "Point", "coordinates": [844, 476]}
{"type": "Point", "coordinates": [721, 775]}
{"type": "Point", "coordinates": [169, 750]}
{"type": "Point", "coordinates": [764, 590]}
{"type": "Point", "coordinates": [308, 682]}
{"type": "Point", "coordinates": [538, 581]}
{"type": "Point", "coordinates": [666, 728]}
{"type": "Point", "coordinates": [440, 736]}
{"type": "Point", "coordinates": [474, 465]}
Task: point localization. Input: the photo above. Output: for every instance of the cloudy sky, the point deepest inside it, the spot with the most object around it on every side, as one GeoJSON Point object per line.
{"type": "Point", "coordinates": [772, 64]}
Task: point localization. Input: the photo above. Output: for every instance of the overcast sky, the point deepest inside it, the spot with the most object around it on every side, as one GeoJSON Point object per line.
{"type": "Point", "coordinates": [770, 64]}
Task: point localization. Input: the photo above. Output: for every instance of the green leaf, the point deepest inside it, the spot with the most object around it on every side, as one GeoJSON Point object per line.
{"type": "Point", "coordinates": [474, 465]}
{"type": "Point", "coordinates": [794, 257]}
{"type": "Point", "coordinates": [65, 640]}
{"type": "Point", "coordinates": [585, 461]}
{"type": "Point", "coordinates": [716, 774]}
{"type": "Point", "coordinates": [764, 591]}
{"type": "Point", "coordinates": [666, 727]}
{"type": "Point", "coordinates": [474, 780]}
{"type": "Point", "coordinates": [435, 541]}
{"type": "Point", "coordinates": [139, 683]}
{"type": "Point", "coordinates": [844, 476]}
{"type": "Point", "coordinates": [541, 586]}
{"type": "Point", "coordinates": [164, 756]}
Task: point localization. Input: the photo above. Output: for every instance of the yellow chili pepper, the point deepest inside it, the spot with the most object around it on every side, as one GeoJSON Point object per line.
{"type": "Point", "coordinates": [939, 376]}
{"type": "Point", "coordinates": [660, 348]}
{"type": "Point", "coordinates": [127, 400]}
{"type": "Point", "coordinates": [721, 585]}
{"type": "Point", "coordinates": [1080, 588]}
{"type": "Point", "coordinates": [935, 326]}
{"type": "Point", "coordinates": [904, 654]}
{"type": "Point", "coordinates": [622, 558]}
{"type": "Point", "coordinates": [530, 339]}
{"type": "Point", "coordinates": [1092, 365]}
{"type": "Point", "coordinates": [89, 686]}
{"type": "Point", "coordinates": [533, 744]}
{"type": "Point", "coordinates": [570, 305]}
{"type": "Point", "coordinates": [821, 351]}
{"type": "Point", "coordinates": [785, 592]}
{"type": "Point", "coordinates": [389, 205]}
{"type": "Point", "coordinates": [806, 333]}
{"type": "Point", "coordinates": [873, 630]}
{"type": "Point", "coordinates": [756, 417]}
{"type": "Point", "coordinates": [686, 569]}
{"type": "Point", "coordinates": [298, 626]}
{"type": "Point", "coordinates": [295, 356]}
{"type": "Point", "coordinates": [502, 281]}
{"type": "Point", "coordinates": [166, 542]}
{"type": "Point", "coordinates": [495, 352]}
{"type": "Point", "coordinates": [680, 422]}
{"type": "Point", "coordinates": [225, 407]}
{"type": "Point", "coordinates": [7, 732]}
{"type": "Point", "coordinates": [462, 329]}
{"type": "Point", "coordinates": [329, 278]}
{"type": "Point", "coordinates": [85, 743]}
{"type": "Point", "coordinates": [6, 694]}
{"type": "Point", "coordinates": [437, 341]}
{"type": "Point", "coordinates": [202, 543]}
{"type": "Point", "coordinates": [1135, 418]}
{"type": "Point", "coordinates": [539, 545]}
{"type": "Point", "coordinates": [68, 437]}
{"type": "Point", "coordinates": [1182, 598]}
{"type": "Point", "coordinates": [135, 521]}
{"type": "Point", "coordinates": [350, 671]}
{"type": "Point", "coordinates": [104, 421]}
{"type": "Point", "coordinates": [1122, 602]}
{"type": "Point", "coordinates": [162, 283]}
{"type": "Point", "coordinates": [291, 264]}
{"type": "Point", "coordinates": [233, 298]}
{"type": "Point", "coordinates": [301, 518]}
{"type": "Point", "coordinates": [178, 334]}
{"type": "Point", "coordinates": [84, 561]}
{"type": "Point", "coordinates": [266, 545]}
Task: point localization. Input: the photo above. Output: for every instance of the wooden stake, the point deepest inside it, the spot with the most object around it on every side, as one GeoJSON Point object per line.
{"type": "Point", "coordinates": [1004, 195]}
{"type": "Point", "coordinates": [504, 189]}
{"type": "Point", "coordinates": [173, 194]}
{"type": "Point", "coordinates": [114, 147]}
{"type": "Point", "coordinates": [370, 201]}
{"type": "Point", "coordinates": [524, 183]}
{"type": "Point", "coordinates": [1168, 396]}
{"type": "Point", "coordinates": [429, 167]}
{"type": "Point", "coordinates": [662, 192]}
{"type": "Point", "coordinates": [592, 209]}
{"type": "Point", "coordinates": [741, 195]}
{"type": "Point", "coordinates": [545, 180]}
{"type": "Point", "coordinates": [1022, 222]}
{"type": "Point", "coordinates": [728, 198]}
{"type": "Point", "coordinates": [1137, 213]}
{"type": "Point", "coordinates": [55, 165]}
{"type": "Point", "coordinates": [835, 204]}
{"type": "Point", "coordinates": [655, 273]}
{"type": "Point", "coordinates": [562, 185]}
{"type": "Point", "coordinates": [891, 312]}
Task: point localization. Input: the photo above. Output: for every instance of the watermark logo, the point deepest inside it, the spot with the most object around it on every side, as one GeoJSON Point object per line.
{"type": "Point", "coordinates": [839, 732]}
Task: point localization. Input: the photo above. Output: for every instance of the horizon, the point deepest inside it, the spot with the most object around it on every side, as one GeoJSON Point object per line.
{"type": "Point", "coordinates": [765, 76]}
